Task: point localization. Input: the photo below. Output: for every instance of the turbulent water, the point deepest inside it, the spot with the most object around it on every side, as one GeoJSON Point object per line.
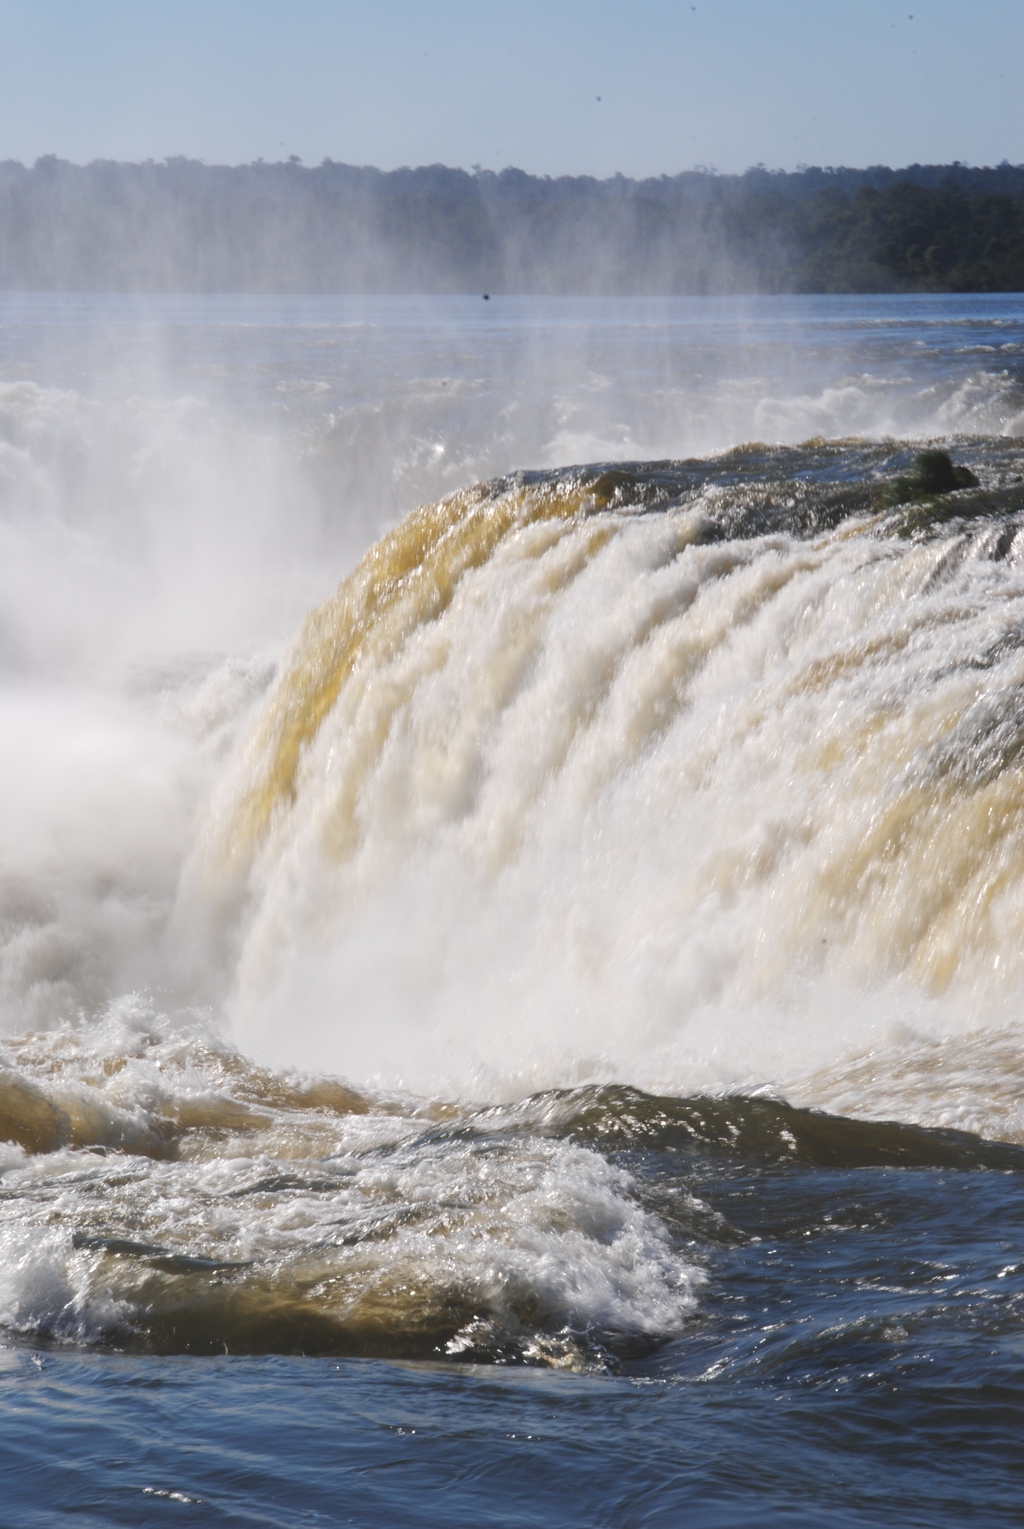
{"type": "Point", "coordinates": [588, 938]}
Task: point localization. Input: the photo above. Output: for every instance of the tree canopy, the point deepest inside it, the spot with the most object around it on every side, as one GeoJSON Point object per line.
{"type": "Point", "coordinates": [190, 227]}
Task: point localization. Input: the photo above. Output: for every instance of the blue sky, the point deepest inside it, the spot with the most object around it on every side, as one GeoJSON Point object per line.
{"type": "Point", "coordinates": [647, 87]}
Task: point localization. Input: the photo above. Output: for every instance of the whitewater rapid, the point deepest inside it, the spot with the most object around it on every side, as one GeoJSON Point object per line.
{"type": "Point", "coordinates": [341, 924]}
{"type": "Point", "coordinates": [578, 778]}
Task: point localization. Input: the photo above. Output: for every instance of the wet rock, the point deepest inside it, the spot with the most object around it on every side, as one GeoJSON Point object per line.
{"type": "Point", "coordinates": [933, 473]}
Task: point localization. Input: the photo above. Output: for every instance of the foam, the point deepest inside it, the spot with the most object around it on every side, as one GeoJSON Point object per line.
{"type": "Point", "coordinates": [625, 805]}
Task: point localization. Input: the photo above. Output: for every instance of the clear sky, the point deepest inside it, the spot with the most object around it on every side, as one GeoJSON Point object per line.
{"type": "Point", "coordinates": [645, 87]}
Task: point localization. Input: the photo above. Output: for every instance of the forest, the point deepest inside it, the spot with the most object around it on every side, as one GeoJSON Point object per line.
{"type": "Point", "coordinates": [184, 226]}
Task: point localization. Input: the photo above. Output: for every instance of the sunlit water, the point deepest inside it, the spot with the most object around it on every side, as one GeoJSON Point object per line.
{"type": "Point", "coordinates": [511, 911]}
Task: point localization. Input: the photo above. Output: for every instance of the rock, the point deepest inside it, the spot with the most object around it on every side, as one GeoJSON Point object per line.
{"type": "Point", "coordinates": [934, 472]}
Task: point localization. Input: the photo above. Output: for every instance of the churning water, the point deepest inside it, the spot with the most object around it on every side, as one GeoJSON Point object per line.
{"type": "Point", "coordinates": [529, 1033]}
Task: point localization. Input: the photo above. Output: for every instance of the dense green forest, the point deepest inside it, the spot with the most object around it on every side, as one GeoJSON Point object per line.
{"type": "Point", "coordinates": [189, 227]}
{"type": "Point", "coordinates": [901, 237]}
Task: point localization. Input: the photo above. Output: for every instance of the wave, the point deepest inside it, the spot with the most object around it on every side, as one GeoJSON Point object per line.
{"type": "Point", "coordinates": [166, 1195]}
{"type": "Point", "coordinates": [188, 1202]}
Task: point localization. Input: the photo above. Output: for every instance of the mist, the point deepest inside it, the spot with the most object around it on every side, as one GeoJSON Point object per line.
{"type": "Point", "coordinates": [183, 226]}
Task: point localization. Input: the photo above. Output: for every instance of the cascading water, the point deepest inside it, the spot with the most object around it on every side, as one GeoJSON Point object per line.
{"type": "Point", "coordinates": [693, 777]}
{"type": "Point", "coordinates": [592, 939]}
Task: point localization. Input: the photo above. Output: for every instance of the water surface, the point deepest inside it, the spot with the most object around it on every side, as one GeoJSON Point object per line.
{"type": "Point", "coordinates": [510, 911]}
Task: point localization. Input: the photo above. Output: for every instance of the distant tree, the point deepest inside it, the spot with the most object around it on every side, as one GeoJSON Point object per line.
{"type": "Point", "coordinates": [186, 226]}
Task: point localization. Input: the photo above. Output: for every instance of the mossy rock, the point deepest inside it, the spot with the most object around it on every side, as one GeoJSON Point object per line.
{"type": "Point", "coordinates": [933, 474]}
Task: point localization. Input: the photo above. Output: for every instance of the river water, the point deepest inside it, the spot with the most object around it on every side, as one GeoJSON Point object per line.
{"type": "Point", "coordinates": [511, 911]}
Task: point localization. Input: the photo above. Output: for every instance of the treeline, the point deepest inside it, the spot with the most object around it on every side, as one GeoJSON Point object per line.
{"type": "Point", "coordinates": [901, 237]}
{"type": "Point", "coordinates": [188, 227]}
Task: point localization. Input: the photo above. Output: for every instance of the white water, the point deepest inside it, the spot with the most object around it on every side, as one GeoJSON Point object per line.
{"type": "Point", "coordinates": [606, 833]}
{"type": "Point", "coordinates": [665, 813]}
{"type": "Point", "coordinates": [594, 800]}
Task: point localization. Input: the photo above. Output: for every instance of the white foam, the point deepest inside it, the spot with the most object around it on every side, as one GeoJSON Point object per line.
{"type": "Point", "coordinates": [664, 814]}
{"type": "Point", "coordinates": [548, 888]}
